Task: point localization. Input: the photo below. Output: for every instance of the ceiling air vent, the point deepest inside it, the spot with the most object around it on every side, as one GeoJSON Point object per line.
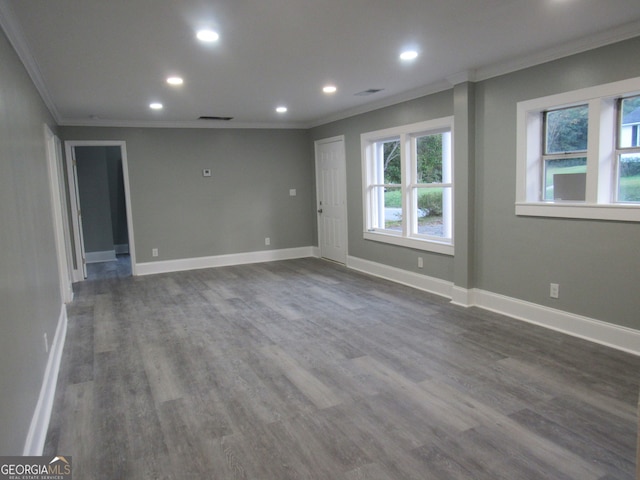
{"type": "Point", "coordinates": [371, 91]}
{"type": "Point", "coordinates": [207, 117]}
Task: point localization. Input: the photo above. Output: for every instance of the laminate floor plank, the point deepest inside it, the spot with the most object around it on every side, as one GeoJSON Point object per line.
{"type": "Point", "coordinates": [371, 471]}
{"type": "Point", "coordinates": [304, 369]}
{"type": "Point", "coordinates": [603, 458]}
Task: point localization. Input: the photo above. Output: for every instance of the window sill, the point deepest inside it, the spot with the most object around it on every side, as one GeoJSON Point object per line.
{"type": "Point", "coordinates": [614, 212]}
{"type": "Point", "coordinates": [418, 244]}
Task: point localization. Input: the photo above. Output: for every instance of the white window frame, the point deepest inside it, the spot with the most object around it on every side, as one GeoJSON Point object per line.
{"type": "Point", "coordinates": [600, 202]}
{"type": "Point", "coordinates": [408, 236]}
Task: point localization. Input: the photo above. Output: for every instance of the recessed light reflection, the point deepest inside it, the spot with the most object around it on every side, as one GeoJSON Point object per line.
{"type": "Point", "coordinates": [207, 35]}
{"type": "Point", "coordinates": [329, 89]}
{"type": "Point", "coordinates": [155, 106]}
{"type": "Point", "coordinates": [281, 109]}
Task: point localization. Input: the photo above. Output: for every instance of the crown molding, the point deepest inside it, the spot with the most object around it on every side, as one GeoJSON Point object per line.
{"type": "Point", "coordinates": [81, 122]}
{"type": "Point", "coordinates": [13, 31]}
{"type": "Point", "coordinates": [607, 37]}
{"type": "Point", "coordinates": [15, 35]}
{"type": "Point", "coordinates": [385, 102]}
{"type": "Point", "coordinates": [461, 77]}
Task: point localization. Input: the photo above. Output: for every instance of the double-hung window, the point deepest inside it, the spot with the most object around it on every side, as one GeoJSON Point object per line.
{"type": "Point", "coordinates": [627, 178]}
{"type": "Point", "coordinates": [408, 185]}
{"type": "Point", "coordinates": [578, 154]}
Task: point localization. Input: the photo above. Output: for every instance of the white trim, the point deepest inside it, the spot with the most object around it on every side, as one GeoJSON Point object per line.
{"type": "Point", "coordinates": [150, 268]}
{"type": "Point", "coordinates": [597, 331]}
{"type": "Point", "coordinates": [614, 212]}
{"type": "Point", "coordinates": [219, 124]}
{"type": "Point", "coordinates": [404, 277]}
{"type": "Point", "coordinates": [463, 297]}
{"type": "Point", "coordinates": [37, 434]}
{"type": "Point", "coordinates": [103, 256]}
{"type": "Point", "coordinates": [79, 271]}
{"type": "Point", "coordinates": [584, 44]}
{"type": "Point", "coordinates": [121, 249]}
{"type": "Point", "coordinates": [60, 227]}
{"type": "Point", "coordinates": [410, 242]}
{"type": "Point", "coordinates": [17, 38]}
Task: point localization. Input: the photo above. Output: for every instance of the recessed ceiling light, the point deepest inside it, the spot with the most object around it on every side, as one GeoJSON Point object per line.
{"type": "Point", "coordinates": [207, 35]}
{"type": "Point", "coordinates": [175, 81]}
{"type": "Point", "coordinates": [409, 55]}
{"type": "Point", "coordinates": [281, 109]}
{"type": "Point", "coordinates": [155, 106]}
{"type": "Point", "coordinates": [329, 89]}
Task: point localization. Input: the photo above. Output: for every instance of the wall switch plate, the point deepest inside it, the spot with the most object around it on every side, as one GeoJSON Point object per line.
{"type": "Point", "coordinates": [420, 262]}
{"type": "Point", "coordinates": [554, 290]}
{"type": "Point", "coordinates": [206, 172]}
{"type": "Point", "coordinates": [267, 241]}
{"type": "Point", "coordinates": [292, 192]}
{"type": "Point", "coordinates": [154, 252]}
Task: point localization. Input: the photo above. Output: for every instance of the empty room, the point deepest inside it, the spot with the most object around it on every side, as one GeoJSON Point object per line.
{"type": "Point", "coordinates": [320, 240]}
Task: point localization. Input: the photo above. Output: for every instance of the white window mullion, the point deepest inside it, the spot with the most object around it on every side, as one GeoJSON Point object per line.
{"type": "Point", "coordinates": [593, 151]}
{"type": "Point", "coordinates": [405, 175]}
{"type": "Point", "coordinates": [604, 164]}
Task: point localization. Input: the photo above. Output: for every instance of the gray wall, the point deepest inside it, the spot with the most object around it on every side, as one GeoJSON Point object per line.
{"type": "Point", "coordinates": [117, 196]}
{"type": "Point", "coordinates": [186, 215]}
{"type": "Point", "coordinates": [95, 198]}
{"type": "Point", "coordinates": [29, 287]}
{"type": "Point", "coordinates": [596, 263]}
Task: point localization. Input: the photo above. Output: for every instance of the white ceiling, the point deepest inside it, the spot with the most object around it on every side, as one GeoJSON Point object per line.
{"type": "Point", "coordinates": [101, 62]}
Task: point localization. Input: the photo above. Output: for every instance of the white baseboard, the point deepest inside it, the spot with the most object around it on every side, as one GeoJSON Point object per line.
{"type": "Point", "coordinates": [167, 266]}
{"type": "Point", "coordinates": [615, 336]}
{"type": "Point", "coordinates": [121, 249]}
{"type": "Point", "coordinates": [597, 331]}
{"type": "Point", "coordinates": [37, 434]}
{"type": "Point", "coordinates": [411, 279]}
{"type": "Point", "coordinates": [97, 257]}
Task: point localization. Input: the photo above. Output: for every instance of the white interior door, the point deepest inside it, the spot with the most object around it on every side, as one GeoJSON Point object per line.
{"type": "Point", "coordinates": [332, 198]}
{"type": "Point", "coordinates": [58, 210]}
{"type": "Point", "coordinates": [80, 273]}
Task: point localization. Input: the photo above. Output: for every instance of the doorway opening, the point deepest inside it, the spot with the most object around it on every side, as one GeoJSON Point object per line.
{"type": "Point", "coordinates": [101, 213]}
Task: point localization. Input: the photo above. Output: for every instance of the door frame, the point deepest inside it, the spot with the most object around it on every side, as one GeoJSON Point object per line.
{"type": "Point", "coordinates": [343, 188]}
{"type": "Point", "coordinates": [80, 272]}
{"type": "Point", "coordinates": [62, 235]}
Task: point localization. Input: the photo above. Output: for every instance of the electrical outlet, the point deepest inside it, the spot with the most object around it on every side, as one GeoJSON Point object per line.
{"type": "Point", "coordinates": [554, 290]}
{"type": "Point", "coordinates": [267, 241]}
{"type": "Point", "coordinates": [46, 343]}
{"type": "Point", "coordinates": [154, 252]}
{"type": "Point", "coordinates": [420, 263]}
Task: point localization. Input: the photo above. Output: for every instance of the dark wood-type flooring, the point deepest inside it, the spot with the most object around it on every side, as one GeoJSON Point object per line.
{"type": "Point", "coordinates": [304, 369]}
